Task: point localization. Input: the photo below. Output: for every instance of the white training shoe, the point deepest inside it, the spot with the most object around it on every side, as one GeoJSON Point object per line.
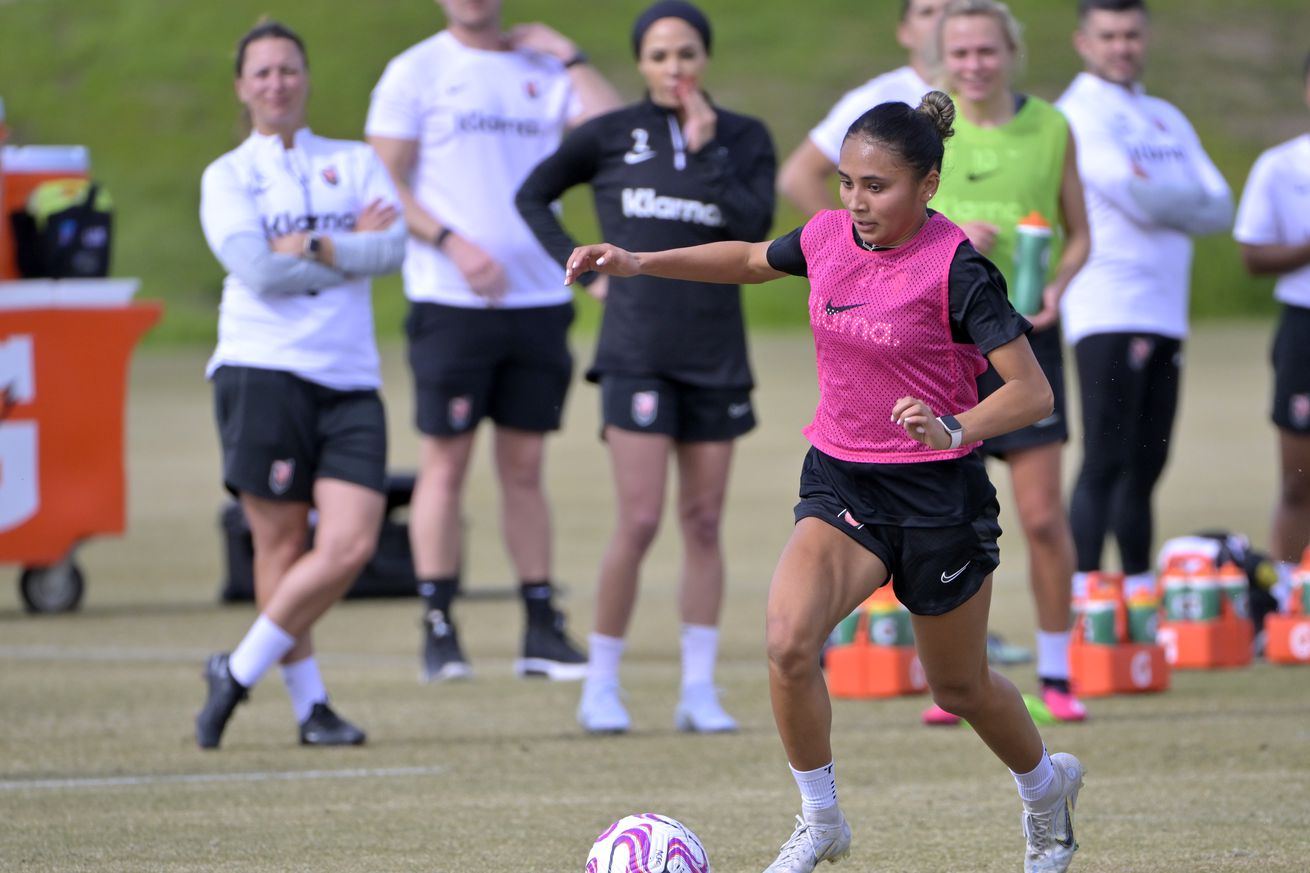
{"type": "Point", "coordinates": [1050, 832]}
{"type": "Point", "coordinates": [600, 711]}
{"type": "Point", "coordinates": [699, 711]}
{"type": "Point", "coordinates": [811, 843]}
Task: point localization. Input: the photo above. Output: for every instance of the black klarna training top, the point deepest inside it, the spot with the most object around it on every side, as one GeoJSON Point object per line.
{"type": "Point", "coordinates": [651, 194]}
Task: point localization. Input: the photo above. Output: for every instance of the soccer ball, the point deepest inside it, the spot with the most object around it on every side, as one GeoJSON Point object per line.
{"type": "Point", "coordinates": [647, 843]}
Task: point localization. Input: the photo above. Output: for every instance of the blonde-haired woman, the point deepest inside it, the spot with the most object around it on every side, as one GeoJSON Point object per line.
{"type": "Point", "coordinates": [1012, 163]}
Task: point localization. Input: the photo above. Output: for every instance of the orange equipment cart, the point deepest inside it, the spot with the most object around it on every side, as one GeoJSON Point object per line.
{"type": "Point", "coordinates": [65, 346]}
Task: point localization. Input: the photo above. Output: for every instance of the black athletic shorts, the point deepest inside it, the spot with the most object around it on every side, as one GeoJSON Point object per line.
{"type": "Point", "coordinates": [512, 365]}
{"type": "Point", "coordinates": [281, 433]}
{"type": "Point", "coordinates": [1291, 360]}
{"type": "Point", "coordinates": [1054, 428]}
{"type": "Point", "coordinates": [687, 413]}
{"type": "Point", "coordinates": [933, 569]}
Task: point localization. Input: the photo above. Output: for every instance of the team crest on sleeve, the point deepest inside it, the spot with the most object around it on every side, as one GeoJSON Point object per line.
{"type": "Point", "coordinates": [1298, 410]}
{"type": "Point", "coordinates": [1139, 352]}
{"type": "Point", "coordinates": [459, 411]}
{"type": "Point", "coordinates": [645, 406]}
{"type": "Point", "coordinates": [280, 475]}
{"type": "Point", "coordinates": [330, 176]}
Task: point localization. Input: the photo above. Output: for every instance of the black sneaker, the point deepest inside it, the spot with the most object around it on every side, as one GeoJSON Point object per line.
{"type": "Point", "coordinates": [548, 652]}
{"type": "Point", "coordinates": [325, 728]}
{"type": "Point", "coordinates": [223, 696]}
{"type": "Point", "coordinates": [442, 659]}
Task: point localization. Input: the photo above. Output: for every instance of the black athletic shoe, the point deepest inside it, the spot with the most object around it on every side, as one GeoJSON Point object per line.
{"type": "Point", "coordinates": [548, 652]}
{"type": "Point", "coordinates": [223, 696]}
{"type": "Point", "coordinates": [325, 728]}
{"type": "Point", "coordinates": [442, 659]}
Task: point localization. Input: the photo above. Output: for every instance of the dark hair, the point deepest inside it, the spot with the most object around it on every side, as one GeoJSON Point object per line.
{"type": "Point", "coordinates": [670, 9]}
{"type": "Point", "coordinates": [268, 30]}
{"type": "Point", "coordinates": [1086, 6]}
{"type": "Point", "coordinates": [917, 135]}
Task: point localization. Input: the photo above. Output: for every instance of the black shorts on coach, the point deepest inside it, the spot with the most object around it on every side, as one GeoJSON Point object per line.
{"type": "Point", "coordinates": [510, 365]}
{"type": "Point", "coordinates": [934, 568]}
{"type": "Point", "coordinates": [687, 413]}
{"type": "Point", "coordinates": [1291, 359]}
{"type": "Point", "coordinates": [1048, 349]}
{"type": "Point", "coordinates": [281, 433]}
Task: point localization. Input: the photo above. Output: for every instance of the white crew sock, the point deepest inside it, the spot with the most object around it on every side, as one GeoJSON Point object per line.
{"type": "Point", "coordinates": [262, 647]}
{"type": "Point", "coordinates": [1034, 785]}
{"type": "Point", "coordinates": [700, 647]}
{"type": "Point", "coordinates": [304, 686]}
{"type": "Point", "coordinates": [603, 656]}
{"type": "Point", "coordinates": [1139, 585]}
{"type": "Point", "coordinates": [1053, 654]}
{"type": "Point", "coordinates": [818, 794]}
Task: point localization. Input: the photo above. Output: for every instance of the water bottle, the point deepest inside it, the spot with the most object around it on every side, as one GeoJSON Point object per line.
{"type": "Point", "coordinates": [1032, 252]}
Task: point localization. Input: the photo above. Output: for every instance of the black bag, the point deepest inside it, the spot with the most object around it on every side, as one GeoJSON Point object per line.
{"type": "Point", "coordinates": [389, 573]}
{"type": "Point", "coordinates": [65, 243]}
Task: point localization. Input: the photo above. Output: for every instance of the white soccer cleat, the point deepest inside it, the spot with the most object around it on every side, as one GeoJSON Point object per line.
{"type": "Point", "coordinates": [699, 711]}
{"type": "Point", "coordinates": [601, 711]}
{"type": "Point", "coordinates": [1049, 833]}
{"type": "Point", "coordinates": [811, 843]}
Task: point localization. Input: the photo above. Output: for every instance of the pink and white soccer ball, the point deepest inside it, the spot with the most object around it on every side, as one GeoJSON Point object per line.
{"type": "Point", "coordinates": [647, 843]}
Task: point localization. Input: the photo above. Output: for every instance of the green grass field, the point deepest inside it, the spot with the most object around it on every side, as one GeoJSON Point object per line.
{"type": "Point", "coordinates": [98, 768]}
{"type": "Point", "coordinates": [147, 85]}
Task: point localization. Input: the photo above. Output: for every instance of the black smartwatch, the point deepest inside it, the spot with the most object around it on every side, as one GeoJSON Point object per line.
{"type": "Point", "coordinates": [954, 428]}
{"type": "Point", "coordinates": [579, 58]}
{"type": "Point", "coordinates": [313, 247]}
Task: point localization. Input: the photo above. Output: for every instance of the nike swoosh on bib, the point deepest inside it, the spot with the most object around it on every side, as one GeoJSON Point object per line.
{"type": "Point", "coordinates": [637, 157]}
{"type": "Point", "coordinates": [833, 310]}
{"type": "Point", "coordinates": [946, 579]}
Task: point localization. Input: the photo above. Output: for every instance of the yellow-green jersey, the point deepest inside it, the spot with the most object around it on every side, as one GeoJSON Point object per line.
{"type": "Point", "coordinates": [1002, 174]}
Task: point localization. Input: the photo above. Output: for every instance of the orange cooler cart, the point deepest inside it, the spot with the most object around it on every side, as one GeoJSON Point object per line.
{"type": "Point", "coordinates": [64, 352]}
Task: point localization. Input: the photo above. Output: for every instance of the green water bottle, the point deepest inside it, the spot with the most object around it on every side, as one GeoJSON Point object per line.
{"type": "Point", "coordinates": [1032, 253]}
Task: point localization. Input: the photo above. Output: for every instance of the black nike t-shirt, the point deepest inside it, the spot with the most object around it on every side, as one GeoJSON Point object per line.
{"type": "Point", "coordinates": [927, 493]}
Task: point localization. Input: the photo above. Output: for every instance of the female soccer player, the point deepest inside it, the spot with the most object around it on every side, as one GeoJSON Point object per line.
{"type": "Point", "coordinates": [672, 170]}
{"type": "Point", "coordinates": [1013, 157]}
{"type": "Point", "coordinates": [1273, 227]}
{"type": "Point", "coordinates": [903, 310]}
{"type": "Point", "coordinates": [299, 222]}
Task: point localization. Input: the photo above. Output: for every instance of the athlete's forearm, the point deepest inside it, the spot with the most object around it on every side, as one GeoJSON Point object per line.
{"type": "Point", "coordinates": [373, 253]}
{"type": "Point", "coordinates": [1275, 259]}
{"type": "Point", "coordinates": [248, 257]}
{"type": "Point", "coordinates": [1016, 404]}
{"type": "Point", "coordinates": [729, 263]}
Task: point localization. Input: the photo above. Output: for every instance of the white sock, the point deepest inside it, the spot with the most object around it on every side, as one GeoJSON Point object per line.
{"type": "Point", "coordinates": [304, 686]}
{"type": "Point", "coordinates": [603, 656]}
{"type": "Point", "coordinates": [1139, 585]}
{"type": "Point", "coordinates": [1079, 587]}
{"type": "Point", "coordinates": [1034, 784]}
{"type": "Point", "coordinates": [1053, 654]}
{"type": "Point", "coordinates": [700, 646]}
{"type": "Point", "coordinates": [262, 647]}
{"type": "Point", "coordinates": [818, 794]}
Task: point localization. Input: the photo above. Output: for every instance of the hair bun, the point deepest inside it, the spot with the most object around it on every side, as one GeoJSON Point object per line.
{"type": "Point", "coordinates": [939, 109]}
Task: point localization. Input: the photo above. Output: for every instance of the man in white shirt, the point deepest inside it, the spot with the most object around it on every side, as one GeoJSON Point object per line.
{"type": "Point", "coordinates": [804, 176]}
{"type": "Point", "coordinates": [1149, 187]}
{"type": "Point", "coordinates": [1273, 228]}
{"type": "Point", "coordinates": [460, 119]}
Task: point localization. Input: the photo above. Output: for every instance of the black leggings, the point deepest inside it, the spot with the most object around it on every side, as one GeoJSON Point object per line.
{"type": "Point", "coordinates": [1129, 386]}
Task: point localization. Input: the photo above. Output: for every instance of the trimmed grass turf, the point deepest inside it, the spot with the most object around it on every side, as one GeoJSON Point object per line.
{"type": "Point", "coordinates": [1208, 777]}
